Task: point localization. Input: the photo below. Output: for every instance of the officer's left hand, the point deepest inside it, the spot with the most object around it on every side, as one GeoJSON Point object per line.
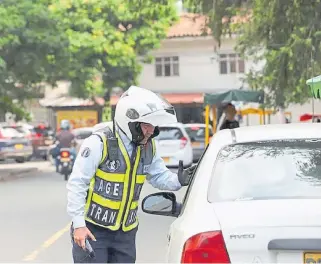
{"type": "Point", "coordinates": [185, 176]}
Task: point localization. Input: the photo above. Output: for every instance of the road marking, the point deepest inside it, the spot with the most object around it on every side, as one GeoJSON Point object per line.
{"type": "Point", "coordinates": [50, 241]}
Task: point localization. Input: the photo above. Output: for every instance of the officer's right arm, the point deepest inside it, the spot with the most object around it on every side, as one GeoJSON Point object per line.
{"type": "Point", "coordinates": [84, 169]}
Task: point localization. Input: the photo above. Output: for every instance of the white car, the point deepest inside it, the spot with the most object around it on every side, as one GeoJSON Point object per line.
{"type": "Point", "coordinates": [174, 144]}
{"type": "Point", "coordinates": [255, 197]}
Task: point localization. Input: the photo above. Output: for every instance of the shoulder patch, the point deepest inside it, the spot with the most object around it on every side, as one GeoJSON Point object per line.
{"type": "Point", "coordinates": [85, 153]}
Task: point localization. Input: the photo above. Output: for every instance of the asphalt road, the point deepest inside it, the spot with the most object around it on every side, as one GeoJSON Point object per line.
{"type": "Point", "coordinates": [35, 226]}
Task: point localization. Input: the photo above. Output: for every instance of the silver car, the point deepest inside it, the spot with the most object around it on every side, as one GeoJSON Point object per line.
{"type": "Point", "coordinates": [14, 145]}
{"type": "Point", "coordinates": [196, 132]}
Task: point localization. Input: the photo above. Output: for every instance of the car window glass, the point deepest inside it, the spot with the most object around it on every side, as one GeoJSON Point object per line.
{"type": "Point", "coordinates": [198, 133]}
{"type": "Point", "coordinates": [169, 133]}
{"type": "Point", "coordinates": [10, 132]}
{"type": "Point", "coordinates": [280, 169]}
{"type": "Point", "coordinates": [190, 186]}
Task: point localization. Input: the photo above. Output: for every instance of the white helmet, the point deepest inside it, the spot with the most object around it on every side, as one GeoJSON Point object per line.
{"type": "Point", "coordinates": [138, 105]}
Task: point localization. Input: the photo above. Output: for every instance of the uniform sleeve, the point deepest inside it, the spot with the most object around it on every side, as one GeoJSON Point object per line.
{"type": "Point", "coordinates": [85, 166]}
{"type": "Point", "coordinates": [160, 177]}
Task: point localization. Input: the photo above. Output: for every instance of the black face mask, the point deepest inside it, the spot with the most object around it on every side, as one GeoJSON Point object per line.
{"type": "Point", "coordinates": [137, 133]}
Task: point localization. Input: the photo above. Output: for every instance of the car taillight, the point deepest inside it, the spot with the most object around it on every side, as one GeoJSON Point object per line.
{"type": "Point", "coordinates": [65, 154]}
{"type": "Point", "coordinates": [207, 247]}
{"type": "Point", "coordinates": [183, 142]}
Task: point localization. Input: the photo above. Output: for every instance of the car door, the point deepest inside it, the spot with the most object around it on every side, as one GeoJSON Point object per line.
{"type": "Point", "coordinates": [176, 223]}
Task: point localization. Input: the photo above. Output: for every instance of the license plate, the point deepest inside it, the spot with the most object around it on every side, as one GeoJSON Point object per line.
{"type": "Point", "coordinates": [65, 159]}
{"type": "Point", "coordinates": [195, 144]}
{"type": "Point", "coordinates": [166, 159]}
{"type": "Point", "coordinates": [18, 146]}
{"type": "Point", "coordinates": [312, 257]}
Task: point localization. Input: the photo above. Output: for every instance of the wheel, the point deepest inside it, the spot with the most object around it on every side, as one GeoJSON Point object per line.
{"type": "Point", "coordinates": [66, 177]}
{"type": "Point", "coordinates": [20, 160]}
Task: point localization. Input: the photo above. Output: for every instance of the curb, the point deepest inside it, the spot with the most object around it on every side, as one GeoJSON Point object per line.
{"type": "Point", "coordinates": [17, 174]}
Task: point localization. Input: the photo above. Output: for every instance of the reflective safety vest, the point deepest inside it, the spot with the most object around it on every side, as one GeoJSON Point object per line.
{"type": "Point", "coordinates": [113, 195]}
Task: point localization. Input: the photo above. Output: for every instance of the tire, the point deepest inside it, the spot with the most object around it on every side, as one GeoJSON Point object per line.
{"type": "Point", "coordinates": [66, 177]}
{"type": "Point", "coordinates": [20, 160]}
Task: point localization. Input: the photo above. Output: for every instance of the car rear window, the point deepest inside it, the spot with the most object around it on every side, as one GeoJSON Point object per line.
{"type": "Point", "coordinates": [197, 132]}
{"type": "Point", "coordinates": [9, 132]}
{"type": "Point", "coordinates": [169, 133]}
{"type": "Point", "coordinates": [282, 169]}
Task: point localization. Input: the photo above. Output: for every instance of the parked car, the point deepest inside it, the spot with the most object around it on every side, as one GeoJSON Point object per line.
{"type": "Point", "coordinates": [174, 144]}
{"type": "Point", "coordinates": [196, 133]}
{"type": "Point", "coordinates": [252, 199]}
{"type": "Point", "coordinates": [14, 144]}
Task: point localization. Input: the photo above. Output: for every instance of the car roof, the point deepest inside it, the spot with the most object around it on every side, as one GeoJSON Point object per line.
{"type": "Point", "coordinates": [196, 124]}
{"type": "Point", "coordinates": [180, 125]}
{"type": "Point", "coordinates": [275, 131]}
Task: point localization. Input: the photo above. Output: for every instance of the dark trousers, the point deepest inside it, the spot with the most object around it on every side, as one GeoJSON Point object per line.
{"type": "Point", "coordinates": [110, 247]}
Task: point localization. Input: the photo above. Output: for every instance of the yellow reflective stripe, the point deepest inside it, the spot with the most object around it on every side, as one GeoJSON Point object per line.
{"type": "Point", "coordinates": [126, 178]}
{"type": "Point", "coordinates": [154, 147]}
{"type": "Point", "coordinates": [105, 202]}
{"type": "Point", "coordinates": [140, 179]}
{"type": "Point", "coordinates": [132, 187]}
{"type": "Point", "coordinates": [114, 228]}
{"type": "Point", "coordinates": [113, 177]}
{"type": "Point", "coordinates": [134, 205]}
{"type": "Point", "coordinates": [90, 193]}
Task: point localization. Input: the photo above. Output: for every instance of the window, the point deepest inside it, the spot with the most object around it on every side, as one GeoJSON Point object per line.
{"type": "Point", "coordinates": [169, 133]}
{"type": "Point", "coordinates": [278, 169]}
{"type": "Point", "coordinates": [197, 132]}
{"type": "Point", "coordinates": [231, 63]}
{"type": "Point", "coordinates": [167, 66]}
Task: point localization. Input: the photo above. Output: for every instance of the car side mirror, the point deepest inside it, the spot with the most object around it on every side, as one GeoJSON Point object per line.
{"type": "Point", "coordinates": [161, 203]}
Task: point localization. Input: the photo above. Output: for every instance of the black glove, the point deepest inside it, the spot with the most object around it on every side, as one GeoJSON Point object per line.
{"type": "Point", "coordinates": [184, 176]}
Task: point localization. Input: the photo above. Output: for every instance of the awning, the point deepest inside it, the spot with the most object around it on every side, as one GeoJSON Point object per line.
{"type": "Point", "coordinates": [233, 95]}
{"type": "Point", "coordinates": [174, 98]}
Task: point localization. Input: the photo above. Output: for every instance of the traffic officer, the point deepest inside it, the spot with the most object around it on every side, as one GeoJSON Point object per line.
{"type": "Point", "coordinates": [109, 173]}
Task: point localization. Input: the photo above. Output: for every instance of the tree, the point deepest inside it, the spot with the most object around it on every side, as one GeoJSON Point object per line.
{"type": "Point", "coordinates": [32, 51]}
{"type": "Point", "coordinates": [110, 39]}
{"type": "Point", "coordinates": [283, 34]}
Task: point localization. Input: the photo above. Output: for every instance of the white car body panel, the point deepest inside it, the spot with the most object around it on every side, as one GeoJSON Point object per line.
{"type": "Point", "coordinates": [268, 219]}
{"type": "Point", "coordinates": [171, 148]}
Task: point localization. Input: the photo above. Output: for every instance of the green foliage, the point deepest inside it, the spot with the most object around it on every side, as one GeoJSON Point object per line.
{"type": "Point", "coordinates": [111, 37]}
{"type": "Point", "coordinates": [29, 46]}
{"type": "Point", "coordinates": [95, 44]}
{"type": "Point", "coordinates": [283, 34]}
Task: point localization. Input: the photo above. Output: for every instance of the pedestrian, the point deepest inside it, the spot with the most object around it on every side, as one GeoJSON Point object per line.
{"type": "Point", "coordinates": [230, 122]}
{"type": "Point", "coordinates": [108, 175]}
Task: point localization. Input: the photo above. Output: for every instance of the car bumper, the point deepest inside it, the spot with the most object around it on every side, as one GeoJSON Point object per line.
{"type": "Point", "coordinates": [41, 150]}
{"type": "Point", "coordinates": [172, 160]}
{"type": "Point", "coordinates": [11, 154]}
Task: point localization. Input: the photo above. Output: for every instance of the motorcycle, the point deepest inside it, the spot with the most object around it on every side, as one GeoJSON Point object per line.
{"type": "Point", "coordinates": [66, 162]}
